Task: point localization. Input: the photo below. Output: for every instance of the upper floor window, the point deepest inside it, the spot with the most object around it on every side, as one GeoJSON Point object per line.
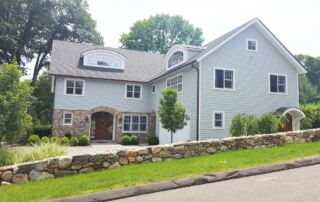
{"type": "Point", "coordinates": [74, 87]}
{"type": "Point", "coordinates": [175, 82]}
{"type": "Point", "coordinates": [175, 59]}
{"type": "Point", "coordinates": [252, 45]}
{"type": "Point", "coordinates": [153, 88]}
{"type": "Point", "coordinates": [278, 83]}
{"type": "Point", "coordinates": [133, 91]}
{"type": "Point", "coordinates": [218, 120]}
{"type": "Point", "coordinates": [224, 79]}
{"type": "Point", "coordinates": [103, 58]}
{"type": "Point", "coordinates": [135, 123]}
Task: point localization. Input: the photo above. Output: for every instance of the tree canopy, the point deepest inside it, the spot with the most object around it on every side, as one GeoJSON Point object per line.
{"type": "Point", "coordinates": [14, 102]}
{"type": "Point", "coordinates": [28, 28]}
{"type": "Point", "coordinates": [159, 33]}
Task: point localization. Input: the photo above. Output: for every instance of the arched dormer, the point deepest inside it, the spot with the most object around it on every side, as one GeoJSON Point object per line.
{"type": "Point", "coordinates": [176, 55]}
{"type": "Point", "coordinates": [103, 58]}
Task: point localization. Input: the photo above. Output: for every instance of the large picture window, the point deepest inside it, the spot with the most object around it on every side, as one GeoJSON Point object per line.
{"type": "Point", "coordinates": [135, 123]}
{"type": "Point", "coordinates": [133, 91]}
{"type": "Point", "coordinates": [74, 87]}
{"type": "Point", "coordinates": [175, 82]}
{"type": "Point", "coordinates": [278, 83]}
{"type": "Point", "coordinates": [224, 79]}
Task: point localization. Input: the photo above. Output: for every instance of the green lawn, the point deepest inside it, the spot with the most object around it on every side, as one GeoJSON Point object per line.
{"type": "Point", "coordinates": [152, 172]}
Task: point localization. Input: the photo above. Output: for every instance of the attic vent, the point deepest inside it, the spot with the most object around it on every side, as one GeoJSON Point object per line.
{"type": "Point", "coordinates": [104, 59]}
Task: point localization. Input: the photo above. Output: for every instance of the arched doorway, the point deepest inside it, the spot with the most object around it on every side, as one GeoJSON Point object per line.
{"type": "Point", "coordinates": [294, 115]}
{"type": "Point", "coordinates": [102, 126]}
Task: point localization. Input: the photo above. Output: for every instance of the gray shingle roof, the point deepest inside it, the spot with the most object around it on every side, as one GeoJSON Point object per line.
{"type": "Point", "coordinates": [140, 66]}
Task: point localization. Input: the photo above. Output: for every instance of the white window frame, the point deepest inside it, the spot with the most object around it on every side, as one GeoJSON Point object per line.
{"type": "Point", "coordinates": [86, 55]}
{"type": "Point", "coordinates": [233, 80]}
{"type": "Point", "coordinates": [63, 119]}
{"type": "Point", "coordinates": [153, 87]}
{"type": "Point", "coordinates": [214, 120]}
{"type": "Point", "coordinates": [132, 98]}
{"type": "Point", "coordinates": [177, 82]}
{"type": "Point", "coordinates": [247, 44]}
{"type": "Point", "coordinates": [74, 80]}
{"type": "Point", "coordinates": [286, 87]}
{"type": "Point", "coordinates": [130, 131]}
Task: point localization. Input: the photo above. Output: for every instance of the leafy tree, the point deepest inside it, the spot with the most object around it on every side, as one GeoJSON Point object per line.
{"type": "Point", "coordinates": [306, 89]}
{"type": "Point", "coordinates": [159, 33]}
{"type": "Point", "coordinates": [28, 28]}
{"type": "Point", "coordinates": [172, 113]}
{"type": "Point", "coordinates": [312, 66]}
{"type": "Point", "coordinates": [312, 119]}
{"type": "Point", "coordinates": [14, 103]}
{"type": "Point", "coordinates": [42, 100]}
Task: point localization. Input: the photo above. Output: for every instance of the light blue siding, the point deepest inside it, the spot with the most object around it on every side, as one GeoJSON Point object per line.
{"type": "Point", "coordinates": [251, 94]}
{"type": "Point", "coordinates": [99, 93]}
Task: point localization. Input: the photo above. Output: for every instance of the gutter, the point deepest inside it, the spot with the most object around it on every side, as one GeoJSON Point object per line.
{"type": "Point", "coordinates": [198, 98]}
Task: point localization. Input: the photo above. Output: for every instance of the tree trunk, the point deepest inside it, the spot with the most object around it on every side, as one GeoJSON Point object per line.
{"type": "Point", "coordinates": [171, 137]}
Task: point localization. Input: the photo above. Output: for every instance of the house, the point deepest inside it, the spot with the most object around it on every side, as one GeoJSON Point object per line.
{"type": "Point", "coordinates": [107, 92]}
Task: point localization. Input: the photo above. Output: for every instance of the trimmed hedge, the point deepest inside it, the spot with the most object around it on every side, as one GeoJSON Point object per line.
{"type": "Point", "coordinates": [34, 139]}
{"type": "Point", "coordinates": [84, 140]}
{"type": "Point", "coordinates": [129, 140]}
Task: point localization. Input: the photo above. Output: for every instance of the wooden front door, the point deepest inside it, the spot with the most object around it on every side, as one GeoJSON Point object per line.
{"type": "Point", "coordinates": [104, 126]}
{"type": "Point", "coordinates": [288, 126]}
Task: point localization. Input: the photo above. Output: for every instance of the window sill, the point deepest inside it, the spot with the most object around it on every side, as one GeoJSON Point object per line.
{"type": "Point", "coordinates": [135, 132]}
{"type": "Point", "coordinates": [224, 89]}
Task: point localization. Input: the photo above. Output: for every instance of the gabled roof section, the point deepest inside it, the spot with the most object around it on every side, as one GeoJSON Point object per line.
{"type": "Point", "coordinates": [217, 43]}
{"type": "Point", "coordinates": [140, 66]}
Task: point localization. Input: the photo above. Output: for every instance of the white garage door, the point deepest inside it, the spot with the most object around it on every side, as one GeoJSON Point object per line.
{"type": "Point", "coordinates": [182, 135]}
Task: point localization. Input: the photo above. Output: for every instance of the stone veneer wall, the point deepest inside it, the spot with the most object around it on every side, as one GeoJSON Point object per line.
{"type": "Point", "coordinates": [81, 123]}
{"type": "Point", "coordinates": [70, 165]}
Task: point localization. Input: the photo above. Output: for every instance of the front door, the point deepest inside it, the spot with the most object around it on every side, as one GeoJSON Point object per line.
{"type": "Point", "coordinates": [288, 126]}
{"type": "Point", "coordinates": [103, 129]}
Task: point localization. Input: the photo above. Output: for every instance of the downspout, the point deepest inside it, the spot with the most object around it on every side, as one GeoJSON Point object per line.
{"type": "Point", "coordinates": [198, 95]}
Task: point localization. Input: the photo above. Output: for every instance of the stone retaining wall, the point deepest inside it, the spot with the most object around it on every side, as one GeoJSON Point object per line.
{"type": "Point", "coordinates": [70, 165]}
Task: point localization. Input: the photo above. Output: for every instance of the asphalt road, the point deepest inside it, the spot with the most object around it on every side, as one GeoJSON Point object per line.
{"type": "Point", "coordinates": [298, 185]}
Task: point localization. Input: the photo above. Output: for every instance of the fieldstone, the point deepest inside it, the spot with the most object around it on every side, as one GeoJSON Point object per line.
{"type": "Point", "coordinates": [19, 178]}
{"type": "Point", "coordinates": [288, 139]}
{"type": "Point", "coordinates": [86, 170]}
{"type": "Point", "coordinates": [156, 159]}
{"type": "Point", "coordinates": [106, 164]}
{"type": "Point", "coordinates": [164, 154]}
{"type": "Point", "coordinates": [97, 158]}
{"type": "Point", "coordinates": [37, 175]}
{"type": "Point", "coordinates": [143, 151]}
{"type": "Point", "coordinates": [177, 156]}
{"type": "Point", "coordinates": [223, 148]}
{"type": "Point", "coordinates": [115, 165]}
{"type": "Point", "coordinates": [147, 157]}
{"type": "Point", "coordinates": [23, 168]}
{"type": "Point", "coordinates": [62, 173]}
{"type": "Point", "coordinates": [122, 153]}
{"type": "Point", "coordinates": [131, 159]}
{"type": "Point", "coordinates": [123, 161]}
{"type": "Point", "coordinates": [7, 175]}
{"type": "Point", "coordinates": [41, 166]}
{"type": "Point", "coordinates": [76, 167]}
{"type": "Point", "coordinates": [179, 149]}
{"type": "Point", "coordinates": [110, 155]}
{"type": "Point", "coordinates": [132, 154]}
{"type": "Point", "coordinates": [139, 159]}
{"type": "Point", "coordinates": [155, 150]}
{"type": "Point", "coordinates": [64, 162]}
{"type": "Point", "coordinates": [88, 165]}
{"type": "Point", "coordinates": [4, 183]}
{"type": "Point", "coordinates": [211, 150]}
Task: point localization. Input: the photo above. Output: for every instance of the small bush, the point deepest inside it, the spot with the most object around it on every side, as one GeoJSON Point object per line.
{"type": "Point", "coordinates": [54, 140]}
{"type": "Point", "coordinates": [271, 123]}
{"type": "Point", "coordinates": [43, 130]}
{"type": "Point", "coordinates": [68, 135]}
{"type": "Point", "coordinates": [129, 140]}
{"type": "Point", "coordinates": [64, 141]}
{"type": "Point", "coordinates": [84, 140]}
{"type": "Point", "coordinates": [6, 157]}
{"type": "Point", "coordinates": [134, 140]}
{"type": "Point", "coordinates": [33, 139]}
{"type": "Point", "coordinates": [312, 119]}
{"type": "Point", "coordinates": [74, 141]}
{"type": "Point", "coordinates": [44, 140]}
{"type": "Point", "coordinates": [153, 140]}
{"type": "Point", "coordinates": [125, 140]}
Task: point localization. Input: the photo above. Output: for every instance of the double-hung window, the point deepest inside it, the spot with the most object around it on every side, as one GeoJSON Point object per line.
{"type": "Point", "coordinates": [74, 87]}
{"type": "Point", "coordinates": [135, 123]}
{"type": "Point", "coordinates": [133, 91]}
{"type": "Point", "coordinates": [224, 79]}
{"type": "Point", "coordinates": [218, 120]}
{"type": "Point", "coordinates": [67, 118]}
{"type": "Point", "coordinates": [175, 82]}
{"type": "Point", "coordinates": [278, 83]}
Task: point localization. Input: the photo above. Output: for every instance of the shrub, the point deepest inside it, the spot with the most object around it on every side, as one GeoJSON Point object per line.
{"type": "Point", "coordinates": [43, 130]}
{"type": "Point", "coordinates": [312, 119]}
{"type": "Point", "coordinates": [33, 139]}
{"type": "Point", "coordinates": [134, 140]}
{"type": "Point", "coordinates": [44, 140]}
{"type": "Point", "coordinates": [74, 141]}
{"type": "Point", "coordinates": [129, 140]}
{"type": "Point", "coordinates": [54, 140]}
{"type": "Point", "coordinates": [84, 140]}
{"type": "Point", "coordinates": [64, 141]}
{"type": "Point", "coordinates": [271, 123]}
{"type": "Point", "coordinates": [68, 135]}
{"type": "Point", "coordinates": [125, 140]}
{"type": "Point", "coordinates": [5, 157]}
{"type": "Point", "coordinates": [153, 140]}
{"type": "Point", "coordinates": [243, 124]}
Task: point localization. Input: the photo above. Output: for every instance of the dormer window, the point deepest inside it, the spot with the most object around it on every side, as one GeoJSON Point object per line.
{"type": "Point", "coordinates": [175, 59]}
{"type": "Point", "coordinates": [103, 58]}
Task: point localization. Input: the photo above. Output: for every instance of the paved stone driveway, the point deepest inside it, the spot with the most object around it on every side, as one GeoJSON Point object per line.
{"type": "Point", "coordinates": [98, 148]}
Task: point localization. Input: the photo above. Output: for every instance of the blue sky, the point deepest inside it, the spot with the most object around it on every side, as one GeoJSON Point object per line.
{"type": "Point", "coordinates": [295, 23]}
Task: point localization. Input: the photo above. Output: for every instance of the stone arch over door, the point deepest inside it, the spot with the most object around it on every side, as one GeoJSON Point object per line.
{"type": "Point", "coordinates": [116, 121]}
